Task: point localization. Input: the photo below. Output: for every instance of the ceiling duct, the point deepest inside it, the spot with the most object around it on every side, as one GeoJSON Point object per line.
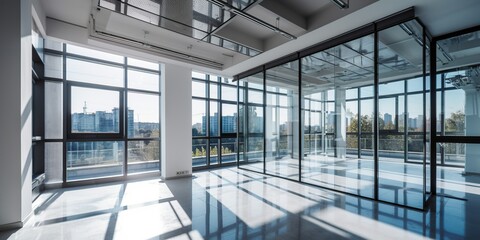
{"type": "Point", "coordinates": [147, 47]}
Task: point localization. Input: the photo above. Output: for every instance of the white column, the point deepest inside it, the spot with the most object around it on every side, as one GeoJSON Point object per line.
{"type": "Point", "coordinates": [472, 128]}
{"type": "Point", "coordinates": [340, 124]}
{"type": "Point", "coordinates": [176, 124]}
{"type": "Point", "coordinates": [15, 113]}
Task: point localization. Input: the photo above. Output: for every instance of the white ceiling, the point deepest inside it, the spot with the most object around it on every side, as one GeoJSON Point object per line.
{"type": "Point", "coordinates": [323, 18]}
{"type": "Point", "coordinates": [71, 11]}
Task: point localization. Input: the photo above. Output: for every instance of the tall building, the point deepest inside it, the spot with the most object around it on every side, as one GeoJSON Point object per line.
{"type": "Point", "coordinates": [387, 118]}
{"type": "Point", "coordinates": [83, 122]}
{"type": "Point", "coordinates": [130, 124]}
{"type": "Point", "coordinates": [229, 124]}
{"type": "Point", "coordinates": [106, 122]}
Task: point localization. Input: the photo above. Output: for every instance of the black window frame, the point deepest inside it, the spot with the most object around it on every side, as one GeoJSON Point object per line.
{"type": "Point", "coordinates": [95, 135]}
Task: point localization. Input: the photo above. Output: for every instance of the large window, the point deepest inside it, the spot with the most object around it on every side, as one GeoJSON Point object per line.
{"type": "Point", "coordinates": [110, 123]}
{"type": "Point", "coordinates": [214, 120]}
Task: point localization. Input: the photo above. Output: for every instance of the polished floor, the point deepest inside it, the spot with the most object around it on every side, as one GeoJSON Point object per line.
{"type": "Point", "coordinates": [232, 203]}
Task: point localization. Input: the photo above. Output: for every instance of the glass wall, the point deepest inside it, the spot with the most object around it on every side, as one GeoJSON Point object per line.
{"type": "Point", "coordinates": [339, 117]}
{"type": "Point", "coordinates": [363, 119]}
{"type": "Point", "coordinates": [458, 113]}
{"type": "Point", "coordinates": [281, 119]}
{"type": "Point", "coordinates": [251, 112]}
{"type": "Point", "coordinates": [400, 55]}
{"type": "Point", "coordinates": [214, 137]}
{"type": "Point", "coordinates": [105, 111]}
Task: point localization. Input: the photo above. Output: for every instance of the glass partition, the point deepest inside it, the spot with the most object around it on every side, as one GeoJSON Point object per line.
{"type": "Point", "coordinates": [338, 114]}
{"type": "Point", "coordinates": [400, 63]}
{"type": "Point", "coordinates": [458, 114]}
{"type": "Point", "coordinates": [281, 119]}
{"type": "Point", "coordinates": [362, 124]}
{"type": "Point", "coordinates": [251, 114]}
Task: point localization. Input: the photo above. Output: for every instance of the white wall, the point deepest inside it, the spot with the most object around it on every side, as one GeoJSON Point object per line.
{"type": "Point", "coordinates": [176, 120]}
{"type": "Point", "coordinates": [15, 117]}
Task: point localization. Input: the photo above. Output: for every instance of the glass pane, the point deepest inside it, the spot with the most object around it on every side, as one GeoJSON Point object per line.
{"type": "Point", "coordinates": [143, 156]}
{"type": "Point", "coordinates": [53, 162]}
{"type": "Point", "coordinates": [213, 90]}
{"type": "Point", "coordinates": [229, 150]}
{"type": "Point", "coordinates": [94, 53]}
{"type": "Point", "coordinates": [366, 92]}
{"type": "Point", "coordinates": [199, 152]}
{"type": "Point", "coordinates": [53, 45]}
{"type": "Point", "coordinates": [387, 108]}
{"type": "Point", "coordinates": [199, 118]}
{"type": "Point", "coordinates": [255, 119]}
{"type": "Point", "coordinates": [143, 80]}
{"type": "Point", "coordinates": [229, 81]}
{"type": "Point", "coordinates": [214, 123]}
{"type": "Point", "coordinates": [452, 181]}
{"type": "Point", "coordinates": [352, 128]}
{"type": "Point", "coordinates": [95, 110]}
{"type": "Point", "coordinates": [396, 87]}
{"type": "Point", "coordinates": [214, 78]}
{"type": "Point", "coordinates": [352, 93]}
{"type": "Point", "coordinates": [366, 129]}
{"type": "Point", "coordinates": [199, 75]}
{"type": "Point", "coordinates": [143, 64]}
{"type": "Point", "coordinates": [282, 144]}
{"type": "Point", "coordinates": [229, 93]}
{"type": "Point", "coordinates": [89, 160]}
{"type": "Point", "coordinates": [415, 84]}
{"type": "Point", "coordinates": [333, 121]}
{"type": "Point", "coordinates": [143, 115]}
{"type": "Point", "coordinates": [255, 96]}
{"type": "Point", "coordinates": [214, 154]}
{"type": "Point", "coordinates": [401, 53]}
{"type": "Point", "coordinates": [251, 123]}
{"type": "Point", "coordinates": [199, 89]}
{"type": "Point", "coordinates": [455, 122]}
{"type": "Point", "coordinates": [95, 73]}
{"type": "Point", "coordinates": [415, 112]}
{"type": "Point", "coordinates": [53, 66]}
{"type": "Point", "coordinates": [229, 118]}
{"type": "Point", "coordinates": [53, 110]}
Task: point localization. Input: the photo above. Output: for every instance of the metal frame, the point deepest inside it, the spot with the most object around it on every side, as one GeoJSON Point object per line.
{"type": "Point", "coordinates": [121, 105]}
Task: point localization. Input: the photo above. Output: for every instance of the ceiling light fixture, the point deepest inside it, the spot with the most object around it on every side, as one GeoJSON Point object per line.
{"type": "Point", "coordinates": [254, 19]}
{"type": "Point", "coordinates": [341, 4]}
